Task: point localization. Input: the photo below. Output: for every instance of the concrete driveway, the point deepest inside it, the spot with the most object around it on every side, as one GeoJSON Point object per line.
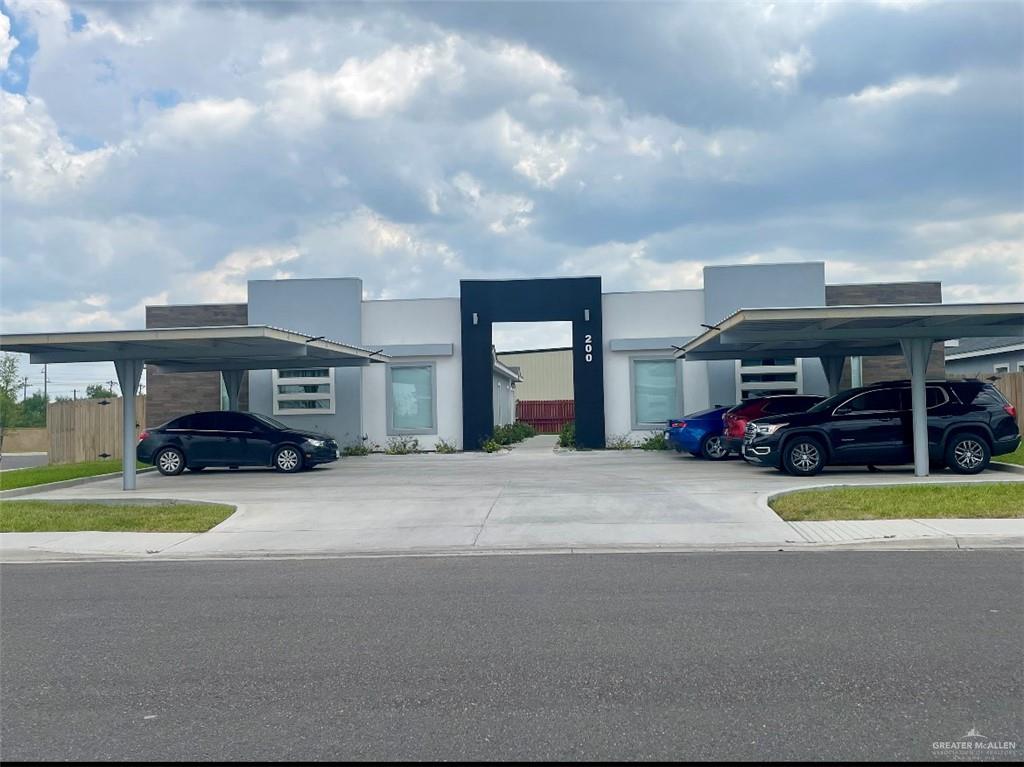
{"type": "Point", "coordinates": [533, 497]}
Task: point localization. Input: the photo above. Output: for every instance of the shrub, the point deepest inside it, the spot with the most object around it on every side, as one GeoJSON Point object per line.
{"type": "Point", "coordinates": [402, 445]}
{"type": "Point", "coordinates": [567, 437]}
{"type": "Point", "coordinates": [445, 447]}
{"type": "Point", "coordinates": [623, 442]}
{"type": "Point", "coordinates": [351, 450]}
{"type": "Point", "coordinates": [511, 433]}
{"type": "Point", "coordinates": [656, 441]}
{"type": "Point", "coordinates": [491, 446]}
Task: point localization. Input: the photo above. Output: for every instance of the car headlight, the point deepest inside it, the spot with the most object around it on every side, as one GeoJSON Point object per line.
{"type": "Point", "coordinates": [768, 428]}
{"type": "Point", "coordinates": [316, 442]}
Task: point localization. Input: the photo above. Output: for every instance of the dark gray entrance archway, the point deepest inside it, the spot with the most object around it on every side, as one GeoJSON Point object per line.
{"type": "Point", "coordinates": [576, 299]}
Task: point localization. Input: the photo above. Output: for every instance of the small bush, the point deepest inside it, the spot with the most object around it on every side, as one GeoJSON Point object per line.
{"type": "Point", "coordinates": [623, 442]}
{"type": "Point", "coordinates": [402, 445]}
{"type": "Point", "coordinates": [567, 437]}
{"type": "Point", "coordinates": [656, 441]}
{"type": "Point", "coordinates": [491, 446]}
{"type": "Point", "coordinates": [509, 434]}
{"type": "Point", "coordinates": [351, 450]}
{"type": "Point", "coordinates": [445, 447]}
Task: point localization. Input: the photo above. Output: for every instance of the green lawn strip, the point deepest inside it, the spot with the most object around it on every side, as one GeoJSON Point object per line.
{"type": "Point", "coordinates": [1002, 500]}
{"type": "Point", "coordinates": [18, 516]}
{"type": "Point", "coordinates": [40, 475]}
{"type": "Point", "coordinates": [1017, 456]}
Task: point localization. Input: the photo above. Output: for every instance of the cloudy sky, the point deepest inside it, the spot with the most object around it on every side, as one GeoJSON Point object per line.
{"type": "Point", "coordinates": [167, 152]}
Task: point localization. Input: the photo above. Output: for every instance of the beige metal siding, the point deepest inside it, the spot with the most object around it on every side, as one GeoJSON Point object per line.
{"type": "Point", "coordinates": [547, 374]}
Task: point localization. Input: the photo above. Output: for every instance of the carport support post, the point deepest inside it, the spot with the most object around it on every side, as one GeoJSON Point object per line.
{"type": "Point", "coordinates": [233, 386]}
{"type": "Point", "coordinates": [833, 372]}
{"type": "Point", "coordinates": [916, 351]}
{"type": "Point", "coordinates": [129, 373]}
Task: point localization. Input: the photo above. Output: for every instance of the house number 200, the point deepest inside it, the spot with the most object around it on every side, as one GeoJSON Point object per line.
{"type": "Point", "coordinates": [588, 347]}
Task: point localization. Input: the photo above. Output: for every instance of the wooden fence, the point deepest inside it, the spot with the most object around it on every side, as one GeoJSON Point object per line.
{"type": "Point", "coordinates": [88, 429]}
{"type": "Point", "coordinates": [546, 416]}
{"type": "Point", "coordinates": [1012, 387]}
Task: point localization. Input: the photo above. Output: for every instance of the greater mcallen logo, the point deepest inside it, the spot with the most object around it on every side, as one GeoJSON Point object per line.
{"type": "Point", "coordinates": [976, 743]}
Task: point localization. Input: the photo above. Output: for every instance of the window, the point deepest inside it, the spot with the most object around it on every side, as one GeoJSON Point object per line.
{"type": "Point", "coordinates": [303, 391]}
{"type": "Point", "coordinates": [412, 399]}
{"type": "Point", "coordinates": [655, 390]}
{"type": "Point", "coordinates": [873, 402]}
{"type": "Point", "coordinates": [766, 376]}
{"type": "Point", "coordinates": [1004, 368]}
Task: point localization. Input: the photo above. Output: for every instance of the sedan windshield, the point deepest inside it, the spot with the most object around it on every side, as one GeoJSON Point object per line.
{"type": "Point", "coordinates": [269, 421]}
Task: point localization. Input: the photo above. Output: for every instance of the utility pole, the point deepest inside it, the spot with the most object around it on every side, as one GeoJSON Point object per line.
{"type": "Point", "coordinates": [74, 394]}
{"type": "Point", "coordinates": [46, 393]}
{"type": "Point", "coordinates": [111, 385]}
{"type": "Point", "coordinates": [24, 388]}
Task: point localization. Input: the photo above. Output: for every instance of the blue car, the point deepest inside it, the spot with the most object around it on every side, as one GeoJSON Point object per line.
{"type": "Point", "coordinates": [699, 434]}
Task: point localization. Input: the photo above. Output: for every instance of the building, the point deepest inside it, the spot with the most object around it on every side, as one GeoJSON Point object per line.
{"type": "Point", "coordinates": [985, 356]}
{"type": "Point", "coordinates": [444, 381]}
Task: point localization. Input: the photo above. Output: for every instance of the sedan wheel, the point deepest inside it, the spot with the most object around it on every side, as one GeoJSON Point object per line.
{"type": "Point", "coordinates": [170, 462]}
{"type": "Point", "coordinates": [288, 459]}
{"type": "Point", "coordinates": [714, 449]}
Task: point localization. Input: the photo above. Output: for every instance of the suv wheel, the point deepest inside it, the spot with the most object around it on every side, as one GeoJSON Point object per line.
{"type": "Point", "coordinates": [288, 459]}
{"type": "Point", "coordinates": [713, 448]}
{"type": "Point", "coordinates": [967, 454]}
{"type": "Point", "coordinates": [804, 457]}
{"type": "Point", "coordinates": [170, 462]}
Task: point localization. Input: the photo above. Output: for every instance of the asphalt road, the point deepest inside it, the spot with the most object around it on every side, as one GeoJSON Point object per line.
{"type": "Point", "coordinates": [809, 655]}
{"type": "Point", "coordinates": [23, 460]}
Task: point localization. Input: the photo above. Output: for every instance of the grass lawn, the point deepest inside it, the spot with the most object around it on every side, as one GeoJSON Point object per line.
{"type": "Point", "coordinates": [1017, 456]}
{"type": "Point", "coordinates": [40, 475]}
{"type": "Point", "coordinates": [18, 516]}
{"type": "Point", "coordinates": [1000, 500]}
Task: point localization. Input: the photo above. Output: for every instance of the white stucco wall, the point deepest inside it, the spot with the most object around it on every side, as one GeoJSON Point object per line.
{"type": "Point", "coordinates": [416, 321]}
{"type": "Point", "coordinates": [652, 314]}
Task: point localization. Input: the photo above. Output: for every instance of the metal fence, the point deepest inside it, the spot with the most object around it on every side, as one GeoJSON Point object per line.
{"type": "Point", "coordinates": [88, 429]}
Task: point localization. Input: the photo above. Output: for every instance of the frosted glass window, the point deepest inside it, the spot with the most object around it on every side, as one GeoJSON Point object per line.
{"type": "Point", "coordinates": [412, 398]}
{"type": "Point", "coordinates": [655, 393]}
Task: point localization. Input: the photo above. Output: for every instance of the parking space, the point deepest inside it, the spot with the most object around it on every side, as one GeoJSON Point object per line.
{"type": "Point", "coordinates": [532, 497]}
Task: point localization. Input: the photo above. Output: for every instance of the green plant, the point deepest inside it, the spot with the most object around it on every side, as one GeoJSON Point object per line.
{"type": "Point", "coordinates": [445, 447]}
{"type": "Point", "coordinates": [655, 441]}
{"type": "Point", "coordinates": [402, 445]}
{"type": "Point", "coordinates": [567, 436]}
{"type": "Point", "coordinates": [491, 446]}
{"type": "Point", "coordinates": [352, 450]}
{"type": "Point", "coordinates": [620, 442]}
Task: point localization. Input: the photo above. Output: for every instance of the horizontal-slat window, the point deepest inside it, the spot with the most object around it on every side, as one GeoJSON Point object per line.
{"type": "Point", "coordinates": [299, 391]}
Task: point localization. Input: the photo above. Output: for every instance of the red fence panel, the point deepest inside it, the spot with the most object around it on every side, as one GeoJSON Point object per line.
{"type": "Point", "coordinates": [546, 416]}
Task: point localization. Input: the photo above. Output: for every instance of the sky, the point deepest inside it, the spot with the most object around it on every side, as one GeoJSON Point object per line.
{"type": "Point", "coordinates": [168, 152]}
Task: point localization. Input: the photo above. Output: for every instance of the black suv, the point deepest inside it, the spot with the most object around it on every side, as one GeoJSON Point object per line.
{"type": "Point", "coordinates": [968, 423]}
{"type": "Point", "coordinates": [233, 439]}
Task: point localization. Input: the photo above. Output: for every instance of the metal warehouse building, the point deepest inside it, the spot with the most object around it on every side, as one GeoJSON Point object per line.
{"type": "Point", "coordinates": [442, 379]}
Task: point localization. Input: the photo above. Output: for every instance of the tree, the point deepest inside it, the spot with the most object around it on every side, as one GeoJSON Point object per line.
{"type": "Point", "coordinates": [98, 391]}
{"type": "Point", "coordinates": [8, 393]}
{"type": "Point", "coordinates": [33, 411]}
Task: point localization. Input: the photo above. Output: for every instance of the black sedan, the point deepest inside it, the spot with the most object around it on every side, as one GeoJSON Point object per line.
{"type": "Point", "coordinates": [233, 439]}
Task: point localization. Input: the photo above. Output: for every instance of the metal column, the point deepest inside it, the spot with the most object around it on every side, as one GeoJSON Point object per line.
{"type": "Point", "coordinates": [129, 373]}
{"type": "Point", "coordinates": [233, 386]}
{"type": "Point", "coordinates": [833, 372]}
{"type": "Point", "coordinates": [916, 352]}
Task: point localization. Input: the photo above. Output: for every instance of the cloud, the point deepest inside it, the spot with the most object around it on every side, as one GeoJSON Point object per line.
{"type": "Point", "coordinates": [7, 41]}
{"type": "Point", "coordinates": [905, 88]}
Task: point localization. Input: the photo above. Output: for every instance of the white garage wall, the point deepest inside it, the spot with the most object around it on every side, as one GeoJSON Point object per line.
{"type": "Point", "coordinates": [414, 321]}
{"type": "Point", "coordinates": [650, 314]}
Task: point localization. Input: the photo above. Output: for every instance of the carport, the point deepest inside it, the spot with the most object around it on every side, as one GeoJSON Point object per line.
{"type": "Point", "coordinates": [231, 350]}
{"type": "Point", "coordinates": [834, 333]}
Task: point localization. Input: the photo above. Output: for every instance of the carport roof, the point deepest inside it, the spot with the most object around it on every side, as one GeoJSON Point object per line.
{"type": "Point", "coordinates": [195, 349]}
{"type": "Point", "coordinates": [830, 331]}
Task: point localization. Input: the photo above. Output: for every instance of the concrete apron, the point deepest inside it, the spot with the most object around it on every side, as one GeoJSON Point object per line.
{"type": "Point", "coordinates": [530, 499]}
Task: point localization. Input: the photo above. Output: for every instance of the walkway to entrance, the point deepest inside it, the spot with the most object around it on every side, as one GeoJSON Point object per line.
{"type": "Point", "coordinates": [530, 498]}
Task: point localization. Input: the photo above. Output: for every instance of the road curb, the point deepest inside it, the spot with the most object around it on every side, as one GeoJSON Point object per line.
{"type": "Point", "coordinates": [32, 489]}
